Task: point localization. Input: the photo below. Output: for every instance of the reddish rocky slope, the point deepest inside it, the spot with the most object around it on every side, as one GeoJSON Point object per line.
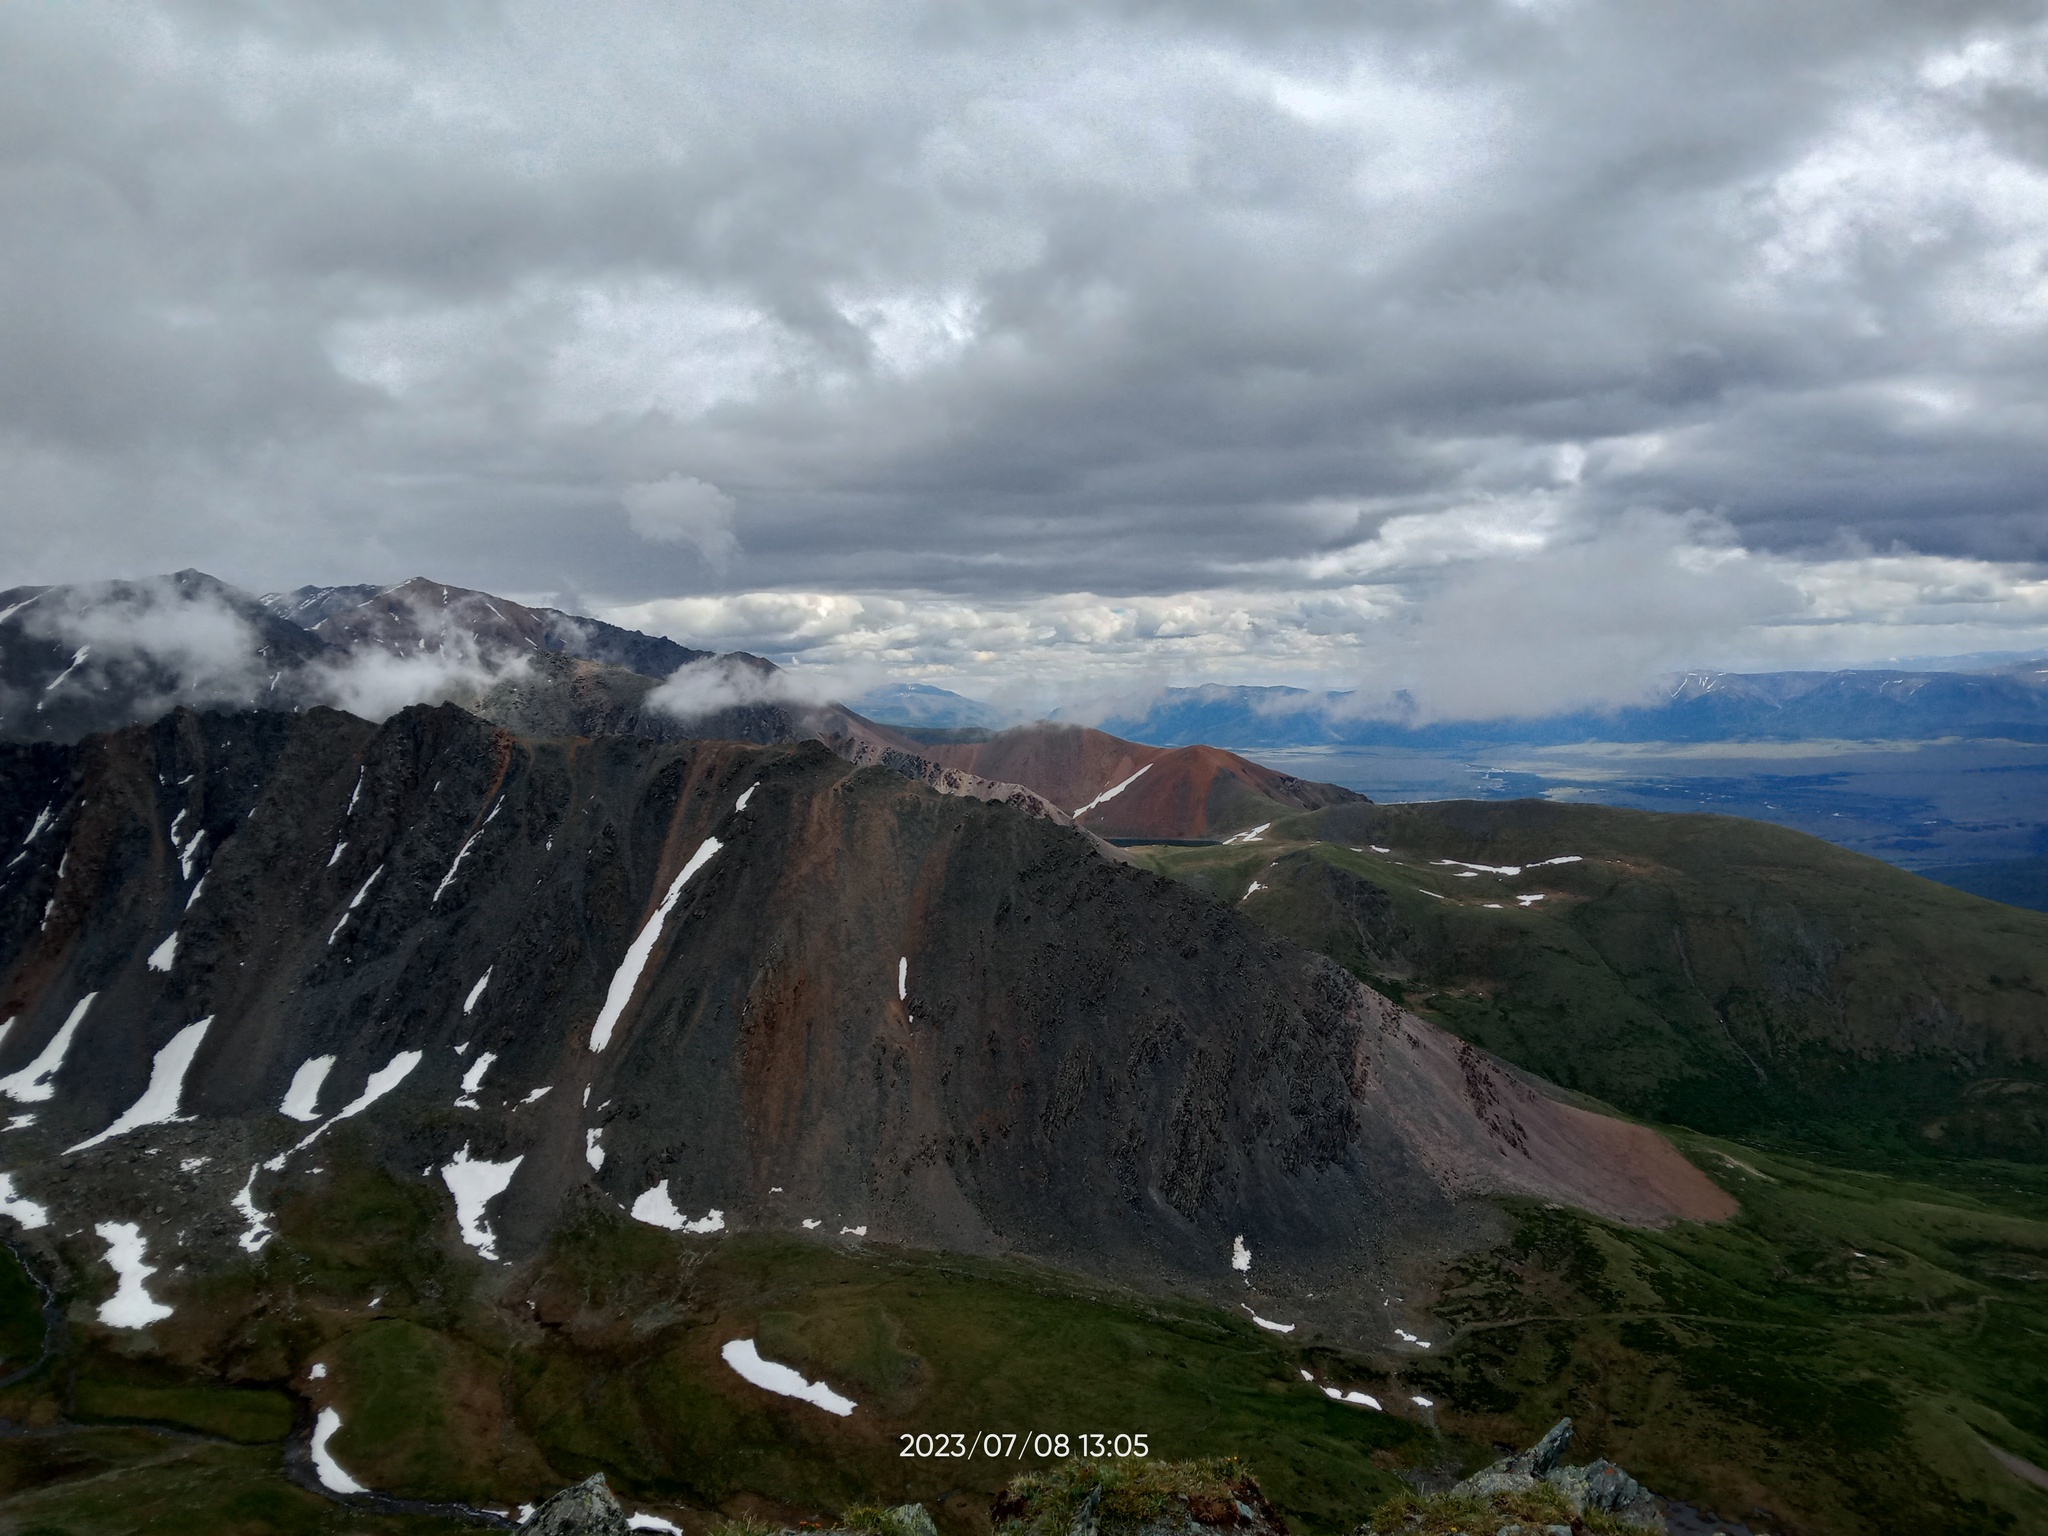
{"type": "Point", "coordinates": [1120, 788]}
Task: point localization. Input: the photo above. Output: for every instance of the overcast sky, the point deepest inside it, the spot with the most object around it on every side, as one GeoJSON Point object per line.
{"type": "Point", "coordinates": [1514, 351]}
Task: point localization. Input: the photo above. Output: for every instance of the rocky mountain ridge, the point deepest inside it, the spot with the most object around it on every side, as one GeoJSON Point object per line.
{"type": "Point", "coordinates": [720, 986]}
{"type": "Point", "coordinates": [74, 660]}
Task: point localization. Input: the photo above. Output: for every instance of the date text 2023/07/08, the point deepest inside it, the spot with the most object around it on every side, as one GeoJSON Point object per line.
{"type": "Point", "coordinates": [999, 1445]}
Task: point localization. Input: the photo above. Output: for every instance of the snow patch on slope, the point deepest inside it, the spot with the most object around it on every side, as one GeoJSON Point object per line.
{"type": "Point", "coordinates": [332, 1478]}
{"type": "Point", "coordinates": [354, 902]}
{"type": "Point", "coordinates": [627, 977]}
{"type": "Point", "coordinates": [24, 1210]}
{"type": "Point", "coordinates": [475, 1184]}
{"type": "Point", "coordinates": [131, 1305]}
{"type": "Point", "coordinates": [657, 1209]}
{"type": "Point", "coordinates": [382, 1081]}
{"type": "Point", "coordinates": [304, 1092]}
{"type": "Point", "coordinates": [463, 852]}
{"type": "Point", "coordinates": [258, 1232]}
{"type": "Point", "coordinates": [32, 1085]}
{"type": "Point", "coordinates": [746, 1360]}
{"type": "Point", "coordinates": [159, 1102]}
{"type": "Point", "coordinates": [1112, 792]}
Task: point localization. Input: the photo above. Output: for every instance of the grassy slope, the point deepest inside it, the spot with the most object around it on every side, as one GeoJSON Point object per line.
{"type": "Point", "coordinates": [1834, 1355]}
{"type": "Point", "coordinates": [453, 1389]}
{"type": "Point", "coordinates": [1839, 1354]}
{"type": "Point", "coordinates": [1702, 970]}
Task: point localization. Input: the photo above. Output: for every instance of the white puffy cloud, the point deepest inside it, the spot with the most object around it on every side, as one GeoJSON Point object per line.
{"type": "Point", "coordinates": [1594, 614]}
{"type": "Point", "coordinates": [1193, 340]}
{"type": "Point", "coordinates": [680, 509]}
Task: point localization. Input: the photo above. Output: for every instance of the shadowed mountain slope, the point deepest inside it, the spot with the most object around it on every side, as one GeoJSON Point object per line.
{"type": "Point", "coordinates": [421, 616]}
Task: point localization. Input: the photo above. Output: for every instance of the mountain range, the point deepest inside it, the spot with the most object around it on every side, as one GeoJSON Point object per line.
{"type": "Point", "coordinates": [1701, 706]}
{"type": "Point", "coordinates": [447, 1086]}
{"type": "Point", "coordinates": [74, 660]}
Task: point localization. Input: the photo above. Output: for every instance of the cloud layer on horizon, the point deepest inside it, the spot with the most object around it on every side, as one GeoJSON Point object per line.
{"type": "Point", "coordinates": [1501, 348]}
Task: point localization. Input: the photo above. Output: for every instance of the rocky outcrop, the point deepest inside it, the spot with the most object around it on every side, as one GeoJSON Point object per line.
{"type": "Point", "coordinates": [865, 751]}
{"type": "Point", "coordinates": [586, 1509]}
{"type": "Point", "coordinates": [1599, 1485]}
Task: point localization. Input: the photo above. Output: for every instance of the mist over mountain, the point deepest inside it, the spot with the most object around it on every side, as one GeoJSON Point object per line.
{"type": "Point", "coordinates": [98, 657]}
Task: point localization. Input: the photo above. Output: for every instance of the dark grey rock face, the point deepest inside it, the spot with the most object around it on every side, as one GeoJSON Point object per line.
{"type": "Point", "coordinates": [1598, 1485]}
{"type": "Point", "coordinates": [1603, 1485]}
{"type": "Point", "coordinates": [587, 1509]}
{"type": "Point", "coordinates": [1544, 1454]}
{"type": "Point", "coordinates": [102, 655]}
{"type": "Point", "coordinates": [933, 1017]}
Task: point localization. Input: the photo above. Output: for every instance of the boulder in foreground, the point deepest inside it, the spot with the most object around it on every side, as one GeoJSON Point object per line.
{"type": "Point", "coordinates": [1529, 1494]}
{"type": "Point", "coordinates": [583, 1509]}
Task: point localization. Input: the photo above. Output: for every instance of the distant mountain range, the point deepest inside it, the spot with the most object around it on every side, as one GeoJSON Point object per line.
{"type": "Point", "coordinates": [2011, 703]}
{"type": "Point", "coordinates": [921, 704]}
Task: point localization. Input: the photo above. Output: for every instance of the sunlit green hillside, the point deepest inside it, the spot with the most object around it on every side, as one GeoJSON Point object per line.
{"type": "Point", "coordinates": [1702, 970]}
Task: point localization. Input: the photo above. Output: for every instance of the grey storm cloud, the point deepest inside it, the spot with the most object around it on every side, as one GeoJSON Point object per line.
{"type": "Point", "coordinates": [636, 300]}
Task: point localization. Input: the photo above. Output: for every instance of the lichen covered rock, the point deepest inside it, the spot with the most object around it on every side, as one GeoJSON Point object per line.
{"type": "Point", "coordinates": [1530, 1492]}
{"type": "Point", "coordinates": [587, 1509]}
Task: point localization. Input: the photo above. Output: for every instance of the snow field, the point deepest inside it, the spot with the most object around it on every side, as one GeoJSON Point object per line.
{"type": "Point", "coordinates": [658, 1209]}
{"type": "Point", "coordinates": [1112, 792]}
{"type": "Point", "coordinates": [24, 1210]}
{"type": "Point", "coordinates": [325, 1467]}
{"type": "Point", "coordinates": [304, 1091]}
